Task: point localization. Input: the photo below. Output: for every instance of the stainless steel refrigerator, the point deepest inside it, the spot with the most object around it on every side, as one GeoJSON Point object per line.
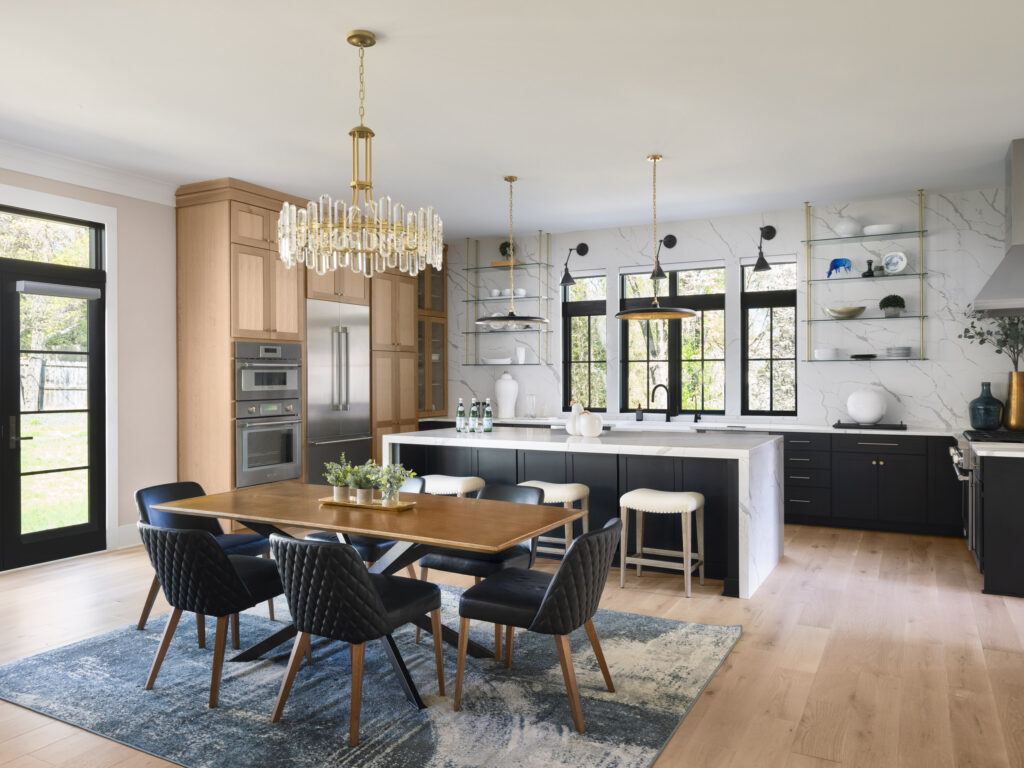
{"type": "Point", "coordinates": [337, 385]}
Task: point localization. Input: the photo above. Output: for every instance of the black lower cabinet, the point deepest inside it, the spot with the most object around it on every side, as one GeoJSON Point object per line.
{"type": "Point", "coordinates": [888, 490]}
{"type": "Point", "coordinates": [854, 486]}
{"type": "Point", "coordinates": [1002, 526]}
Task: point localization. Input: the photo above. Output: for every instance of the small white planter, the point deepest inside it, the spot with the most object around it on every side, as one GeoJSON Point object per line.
{"type": "Point", "coordinates": [340, 493]}
{"type": "Point", "coordinates": [364, 495]}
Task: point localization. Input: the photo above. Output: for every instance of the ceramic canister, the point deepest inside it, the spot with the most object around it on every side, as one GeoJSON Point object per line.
{"type": "Point", "coordinates": [572, 424]}
{"type": "Point", "coordinates": [506, 389]}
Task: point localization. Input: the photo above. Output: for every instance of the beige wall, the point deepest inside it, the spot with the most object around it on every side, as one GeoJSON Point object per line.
{"type": "Point", "coordinates": [147, 410]}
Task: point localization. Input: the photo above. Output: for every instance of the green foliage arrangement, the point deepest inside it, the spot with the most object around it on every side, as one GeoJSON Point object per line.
{"type": "Point", "coordinates": [892, 301]}
{"type": "Point", "coordinates": [1006, 334]}
{"type": "Point", "coordinates": [336, 472]}
{"type": "Point", "coordinates": [391, 478]}
{"type": "Point", "coordinates": [364, 475]}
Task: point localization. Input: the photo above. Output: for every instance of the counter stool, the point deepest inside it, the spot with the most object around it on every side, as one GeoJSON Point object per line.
{"type": "Point", "coordinates": [565, 494]}
{"type": "Point", "coordinates": [682, 503]}
{"type": "Point", "coordinates": [449, 485]}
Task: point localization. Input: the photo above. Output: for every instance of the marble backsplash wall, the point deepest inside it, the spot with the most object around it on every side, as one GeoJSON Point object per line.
{"type": "Point", "coordinates": [965, 242]}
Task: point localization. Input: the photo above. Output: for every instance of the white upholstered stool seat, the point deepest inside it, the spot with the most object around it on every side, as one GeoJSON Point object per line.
{"type": "Point", "coordinates": [450, 485]}
{"type": "Point", "coordinates": [662, 502]}
{"type": "Point", "coordinates": [686, 504]}
{"type": "Point", "coordinates": [565, 494]}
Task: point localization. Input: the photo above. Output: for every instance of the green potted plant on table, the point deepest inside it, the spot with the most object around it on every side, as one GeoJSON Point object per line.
{"type": "Point", "coordinates": [336, 474]}
{"type": "Point", "coordinates": [390, 480]}
{"type": "Point", "coordinates": [892, 305]}
{"type": "Point", "coordinates": [364, 478]}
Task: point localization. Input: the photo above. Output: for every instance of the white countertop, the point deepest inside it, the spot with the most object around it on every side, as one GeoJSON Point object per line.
{"type": "Point", "coordinates": [650, 425]}
{"type": "Point", "coordinates": [1000, 450]}
{"type": "Point", "coordinates": [706, 445]}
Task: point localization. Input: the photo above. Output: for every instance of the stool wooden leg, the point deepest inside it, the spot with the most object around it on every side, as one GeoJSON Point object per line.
{"type": "Point", "coordinates": [686, 551]}
{"type": "Point", "coordinates": [568, 529]}
{"type": "Point", "coordinates": [700, 542]}
{"type": "Point", "coordinates": [624, 515]}
{"type": "Point", "coordinates": [639, 539]}
{"type": "Point", "coordinates": [585, 506]}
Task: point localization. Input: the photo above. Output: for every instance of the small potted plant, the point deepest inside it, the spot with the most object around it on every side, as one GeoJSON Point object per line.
{"type": "Point", "coordinates": [364, 478]}
{"type": "Point", "coordinates": [389, 480]}
{"type": "Point", "coordinates": [336, 474]}
{"type": "Point", "coordinates": [893, 305]}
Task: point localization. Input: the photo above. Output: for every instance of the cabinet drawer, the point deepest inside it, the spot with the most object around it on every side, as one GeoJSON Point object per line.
{"type": "Point", "coordinates": [807, 441]}
{"type": "Point", "coordinates": [815, 502]}
{"type": "Point", "coordinates": [794, 477]}
{"type": "Point", "coordinates": [806, 460]}
{"type": "Point", "coordinates": [879, 443]}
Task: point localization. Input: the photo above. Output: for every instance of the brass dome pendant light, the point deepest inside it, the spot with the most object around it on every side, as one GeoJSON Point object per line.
{"type": "Point", "coordinates": [511, 321]}
{"type": "Point", "coordinates": [656, 311]}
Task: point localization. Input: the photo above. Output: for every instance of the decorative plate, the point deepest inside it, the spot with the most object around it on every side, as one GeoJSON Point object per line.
{"type": "Point", "coordinates": [894, 262]}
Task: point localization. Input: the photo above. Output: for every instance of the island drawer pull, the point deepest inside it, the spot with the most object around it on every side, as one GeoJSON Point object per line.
{"type": "Point", "coordinates": [793, 458]}
{"type": "Point", "coordinates": [889, 444]}
{"type": "Point", "coordinates": [799, 501]}
{"type": "Point", "coordinates": [799, 441]}
{"type": "Point", "coordinates": [799, 477]}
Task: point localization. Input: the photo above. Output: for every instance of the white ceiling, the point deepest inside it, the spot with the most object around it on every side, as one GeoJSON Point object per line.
{"type": "Point", "coordinates": [754, 105]}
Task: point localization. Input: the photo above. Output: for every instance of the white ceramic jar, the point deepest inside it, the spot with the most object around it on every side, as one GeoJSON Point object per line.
{"type": "Point", "coordinates": [506, 389]}
{"type": "Point", "coordinates": [590, 424]}
{"type": "Point", "coordinates": [572, 424]}
{"type": "Point", "coordinates": [866, 406]}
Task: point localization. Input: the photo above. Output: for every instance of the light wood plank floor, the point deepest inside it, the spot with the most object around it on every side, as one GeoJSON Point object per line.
{"type": "Point", "coordinates": [862, 649]}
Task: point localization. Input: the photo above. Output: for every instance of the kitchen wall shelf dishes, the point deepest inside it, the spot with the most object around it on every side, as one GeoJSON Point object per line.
{"type": "Point", "coordinates": [840, 269]}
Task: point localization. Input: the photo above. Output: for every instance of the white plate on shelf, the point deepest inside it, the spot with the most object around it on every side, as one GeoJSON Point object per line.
{"type": "Point", "coordinates": [894, 262]}
{"type": "Point", "coordinates": [496, 360]}
{"type": "Point", "coordinates": [881, 229]}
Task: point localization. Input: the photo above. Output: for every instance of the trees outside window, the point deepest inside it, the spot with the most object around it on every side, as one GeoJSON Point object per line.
{"type": "Point", "coordinates": [584, 344]}
{"type": "Point", "coordinates": [769, 341]}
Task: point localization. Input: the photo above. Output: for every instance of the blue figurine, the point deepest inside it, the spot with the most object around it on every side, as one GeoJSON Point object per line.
{"type": "Point", "coordinates": [836, 264]}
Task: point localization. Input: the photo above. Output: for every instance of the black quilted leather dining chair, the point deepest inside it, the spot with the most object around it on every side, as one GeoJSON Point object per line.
{"type": "Point", "coordinates": [197, 576]}
{"type": "Point", "coordinates": [482, 564]}
{"type": "Point", "coordinates": [370, 548]}
{"type": "Point", "coordinates": [231, 543]}
{"type": "Point", "coordinates": [549, 604]}
{"type": "Point", "coordinates": [331, 594]}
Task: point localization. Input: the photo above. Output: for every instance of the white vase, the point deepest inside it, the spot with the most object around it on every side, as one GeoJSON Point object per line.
{"type": "Point", "coordinates": [364, 495]}
{"type": "Point", "coordinates": [340, 493]}
{"type": "Point", "coordinates": [866, 406]}
{"type": "Point", "coordinates": [572, 424]}
{"type": "Point", "coordinates": [506, 389]}
{"type": "Point", "coordinates": [590, 424]}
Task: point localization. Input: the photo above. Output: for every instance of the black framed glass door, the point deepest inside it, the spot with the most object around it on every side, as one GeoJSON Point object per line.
{"type": "Point", "coordinates": [52, 439]}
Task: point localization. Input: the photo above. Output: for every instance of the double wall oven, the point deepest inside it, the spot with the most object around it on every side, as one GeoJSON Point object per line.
{"type": "Point", "coordinates": [268, 413]}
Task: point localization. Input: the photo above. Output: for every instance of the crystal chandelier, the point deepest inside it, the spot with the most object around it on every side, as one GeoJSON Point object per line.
{"type": "Point", "coordinates": [369, 235]}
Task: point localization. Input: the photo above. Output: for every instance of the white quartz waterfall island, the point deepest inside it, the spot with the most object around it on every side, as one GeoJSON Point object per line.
{"type": "Point", "coordinates": [739, 475]}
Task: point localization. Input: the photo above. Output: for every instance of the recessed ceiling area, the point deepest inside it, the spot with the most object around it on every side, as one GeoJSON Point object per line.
{"type": "Point", "coordinates": [754, 106]}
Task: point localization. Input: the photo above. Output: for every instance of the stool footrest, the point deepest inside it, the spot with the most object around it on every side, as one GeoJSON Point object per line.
{"type": "Point", "coordinates": [551, 550]}
{"type": "Point", "coordinates": [665, 552]}
{"type": "Point", "coordinates": [552, 539]}
{"type": "Point", "coordinates": [694, 562]}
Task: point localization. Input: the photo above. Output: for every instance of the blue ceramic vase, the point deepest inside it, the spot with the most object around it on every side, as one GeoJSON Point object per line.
{"type": "Point", "coordinates": [985, 411]}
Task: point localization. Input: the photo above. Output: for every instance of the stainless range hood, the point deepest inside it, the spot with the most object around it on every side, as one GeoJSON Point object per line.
{"type": "Point", "coordinates": [1003, 294]}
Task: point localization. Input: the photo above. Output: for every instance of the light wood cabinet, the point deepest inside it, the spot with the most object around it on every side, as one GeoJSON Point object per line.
{"type": "Point", "coordinates": [342, 285]}
{"type": "Point", "coordinates": [266, 297]}
{"type": "Point", "coordinates": [253, 225]}
{"type": "Point", "coordinates": [393, 313]}
{"type": "Point", "coordinates": [431, 366]}
{"type": "Point", "coordinates": [393, 403]}
{"type": "Point", "coordinates": [432, 289]}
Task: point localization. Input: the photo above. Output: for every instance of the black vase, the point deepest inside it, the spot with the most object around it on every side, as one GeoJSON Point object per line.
{"type": "Point", "coordinates": [986, 412]}
{"type": "Point", "coordinates": [870, 272]}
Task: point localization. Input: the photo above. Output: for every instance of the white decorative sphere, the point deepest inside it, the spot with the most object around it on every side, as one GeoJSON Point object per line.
{"type": "Point", "coordinates": [866, 406]}
{"type": "Point", "coordinates": [590, 424]}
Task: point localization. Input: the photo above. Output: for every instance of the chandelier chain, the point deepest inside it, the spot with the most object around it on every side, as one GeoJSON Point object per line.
{"type": "Point", "coordinates": [362, 86]}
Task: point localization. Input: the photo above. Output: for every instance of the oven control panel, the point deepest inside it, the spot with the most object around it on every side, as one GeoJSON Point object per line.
{"type": "Point", "coordinates": [260, 409]}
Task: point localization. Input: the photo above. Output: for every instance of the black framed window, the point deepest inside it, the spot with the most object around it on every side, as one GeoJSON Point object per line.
{"type": "Point", "coordinates": [686, 356]}
{"type": "Point", "coordinates": [768, 303]}
{"type": "Point", "coordinates": [584, 344]}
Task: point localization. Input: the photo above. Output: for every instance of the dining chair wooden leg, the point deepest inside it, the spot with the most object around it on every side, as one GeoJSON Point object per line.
{"type": "Point", "coordinates": [477, 579]}
{"type": "Point", "coordinates": [201, 629]}
{"type": "Point", "coordinates": [270, 602]}
{"type": "Point", "coordinates": [565, 657]}
{"type": "Point", "coordinates": [161, 651]}
{"type": "Point", "coordinates": [412, 570]}
{"type": "Point", "coordinates": [509, 634]}
{"type": "Point", "coordinates": [294, 661]}
{"type": "Point", "coordinates": [219, 643]}
{"type": "Point", "coordinates": [423, 577]}
{"type": "Point", "coordinates": [460, 667]}
{"type": "Point", "coordinates": [497, 642]}
{"type": "Point", "coordinates": [435, 628]}
{"type": "Point", "coordinates": [598, 653]}
{"type": "Point", "coordinates": [234, 632]}
{"type": "Point", "coordinates": [154, 590]}
{"type": "Point", "coordinates": [624, 514]}
{"type": "Point", "coordinates": [309, 655]}
{"type": "Point", "coordinates": [358, 650]}
{"type": "Point", "coordinates": [639, 540]}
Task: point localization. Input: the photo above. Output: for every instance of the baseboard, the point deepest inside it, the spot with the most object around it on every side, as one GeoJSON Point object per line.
{"type": "Point", "coordinates": [125, 536]}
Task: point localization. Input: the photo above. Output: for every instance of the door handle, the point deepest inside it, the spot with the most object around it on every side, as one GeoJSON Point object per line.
{"type": "Point", "coordinates": [16, 439]}
{"type": "Point", "coordinates": [339, 368]}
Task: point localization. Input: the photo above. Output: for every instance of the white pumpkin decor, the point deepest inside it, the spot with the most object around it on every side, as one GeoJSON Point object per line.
{"type": "Point", "coordinates": [590, 424]}
{"type": "Point", "coordinates": [572, 425]}
{"type": "Point", "coordinates": [866, 406]}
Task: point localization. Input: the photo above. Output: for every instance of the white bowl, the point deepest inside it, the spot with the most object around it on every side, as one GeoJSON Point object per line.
{"type": "Point", "coordinates": [519, 292]}
{"type": "Point", "coordinates": [495, 293]}
{"type": "Point", "coordinates": [826, 353]}
{"type": "Point", "coordinates": [845, 313]}
{"type": "Point", "coordinates": [506, 291]}
{"type": "Point", "coordinates": [881, 229]}
{"type": "Point", "coordinates": [848, 227]}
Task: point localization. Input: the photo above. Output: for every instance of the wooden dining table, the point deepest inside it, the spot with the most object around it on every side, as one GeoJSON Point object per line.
{"type": "Point", "coordinates": [434, 522]}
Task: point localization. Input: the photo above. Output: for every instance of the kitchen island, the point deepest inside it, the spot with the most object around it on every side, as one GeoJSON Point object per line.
{"type": "Point", "coordinates": [739, 475]}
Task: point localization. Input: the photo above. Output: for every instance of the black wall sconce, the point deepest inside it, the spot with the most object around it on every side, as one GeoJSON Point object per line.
{"type": "Point", "coordinates": [762, 265]}
{"type": "Point", "coordinates": [567, 279]}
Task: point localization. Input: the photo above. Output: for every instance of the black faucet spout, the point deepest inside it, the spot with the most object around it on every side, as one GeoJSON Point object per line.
{"type": "Point", "coordinates": [668, 403]}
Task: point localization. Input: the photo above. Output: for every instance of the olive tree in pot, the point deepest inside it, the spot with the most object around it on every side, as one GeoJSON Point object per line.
{"type": "Point", "coordinates": [1006, 336]}
{"type": "Point", "coordinates": [892, 305]}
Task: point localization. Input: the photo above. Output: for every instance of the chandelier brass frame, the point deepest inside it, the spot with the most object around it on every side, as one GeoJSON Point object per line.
{"type": "Point", "coordinates": [368, 236]}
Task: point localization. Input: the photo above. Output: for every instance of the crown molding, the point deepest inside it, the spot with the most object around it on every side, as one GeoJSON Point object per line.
{"type": "Point", "coordinates": [49, 165]}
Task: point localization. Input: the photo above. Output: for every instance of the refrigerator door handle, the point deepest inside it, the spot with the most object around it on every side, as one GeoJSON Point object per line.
{"type": "Point", "coordinates": [342, 440]}
{"type": "Point", "coordinates": [339, 368]}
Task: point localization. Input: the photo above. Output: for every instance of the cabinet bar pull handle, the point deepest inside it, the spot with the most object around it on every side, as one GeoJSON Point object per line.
{"type": "Point", "coordinates": [799, 441]}
{"type": "Point", "coordinates": [799, 501]}
{"type": "Point", "coordinates": [795, 459]}
{"type": "Point", "coordinates": [799, 477]}
{"type": "Point", "coordinates": [860, 443]}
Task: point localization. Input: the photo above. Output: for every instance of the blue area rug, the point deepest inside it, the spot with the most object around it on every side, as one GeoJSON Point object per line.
{"type": "Point", "coordinates": [510, 717]}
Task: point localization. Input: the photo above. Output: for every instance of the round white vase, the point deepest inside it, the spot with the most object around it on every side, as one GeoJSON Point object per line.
{"type": "Point", "coordinates": [506, 389]}
{"type": "Point", "coordinates": [590, 424]}
{"type": "Point", "coordinates": [866, 406]}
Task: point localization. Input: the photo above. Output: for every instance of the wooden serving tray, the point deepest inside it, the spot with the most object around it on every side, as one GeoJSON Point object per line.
{"type": "Point", "coordinates": [376, 504]}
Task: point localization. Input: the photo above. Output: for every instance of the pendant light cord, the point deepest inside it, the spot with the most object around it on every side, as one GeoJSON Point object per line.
{"type": "Point", "coordinates": [511, 250]}
{"type": "Point", "coordinates": [654, 205]}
